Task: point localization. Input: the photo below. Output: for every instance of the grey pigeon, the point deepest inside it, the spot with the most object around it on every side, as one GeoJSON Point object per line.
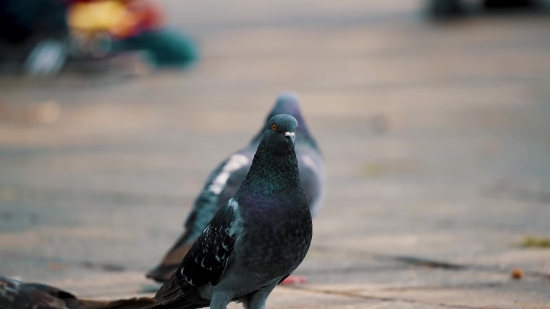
{"type": "Point", "coordinates": [224, 181]}
{"type": "Point", "coordinates": [15, 294]}
{"type": "Point", "coordinates": [255, 240]}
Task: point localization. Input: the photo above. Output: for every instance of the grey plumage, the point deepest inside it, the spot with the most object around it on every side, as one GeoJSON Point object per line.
{"type": "Point", "coordinates": [255, 240]}
{"type": "Point", "coordinates": [224, 181]}
{"type": "Point", "coordinates": [15, 294]}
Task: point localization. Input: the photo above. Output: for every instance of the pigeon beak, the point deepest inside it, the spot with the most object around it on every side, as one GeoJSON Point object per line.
{"type": "Point", "coordinates": [290, 135]}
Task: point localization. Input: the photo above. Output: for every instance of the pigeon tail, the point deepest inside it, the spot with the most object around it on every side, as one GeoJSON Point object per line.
{"type": "Point", "coordinates": [172, 296]}
{"type": "Point", "coordinates": [171, 261]}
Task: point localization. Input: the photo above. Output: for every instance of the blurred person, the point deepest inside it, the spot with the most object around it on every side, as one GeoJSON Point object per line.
{"type": "Point", "coordinates": [34, 33]}
{"type": "Point", "coordinates": [447, 9]}
{"type": "Point", "coordinates": [108, 27]}
{"type": "Point", "coordinates": [513, 4]}
{"type": "Point", "coordinates": [41, 35]}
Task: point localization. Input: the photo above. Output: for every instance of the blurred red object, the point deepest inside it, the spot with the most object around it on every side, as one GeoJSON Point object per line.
{"type": "Point", "coordinates": [120, 18]}
{"type": "Point", "coordinates": [149, 16]}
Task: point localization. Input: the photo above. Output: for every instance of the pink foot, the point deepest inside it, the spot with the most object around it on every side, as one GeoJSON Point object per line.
{"type": "Point", "coordinates": [294, 280]}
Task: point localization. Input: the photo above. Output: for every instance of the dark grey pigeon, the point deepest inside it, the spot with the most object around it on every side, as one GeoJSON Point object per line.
{"type": "Point", "coordinates": [255, 240]}
{"type": "Point", "coordinates": [224, 181]}
{"type": "Point", "coordinates": [15, 294]}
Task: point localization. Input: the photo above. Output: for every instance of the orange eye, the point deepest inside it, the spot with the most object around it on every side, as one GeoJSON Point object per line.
{"type": "Point", "coordinates": [274, 127]}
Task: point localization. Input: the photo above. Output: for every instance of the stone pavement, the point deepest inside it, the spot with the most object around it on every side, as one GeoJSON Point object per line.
{"type": "Point", "coordinates": [435, 139]}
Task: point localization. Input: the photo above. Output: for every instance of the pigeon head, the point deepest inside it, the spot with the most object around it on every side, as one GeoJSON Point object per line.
{"type": "Point", "coordinates": [275, 166]}
{"type": "Point", "coordinates": [288, 103]}
{"type": "Point", "coordinates": [279, 134]}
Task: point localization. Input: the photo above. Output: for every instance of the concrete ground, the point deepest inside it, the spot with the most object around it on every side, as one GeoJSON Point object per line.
{"type": "Point", "coordinates": [436, 139]}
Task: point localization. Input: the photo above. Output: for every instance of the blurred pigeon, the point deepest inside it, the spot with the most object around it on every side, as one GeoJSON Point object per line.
{"type": "Point", "coordinates": [18, 295]}
{"type": "Point", "coordinates": [224, 181]}
{"type": "Point", "coordinates": [255, 240]}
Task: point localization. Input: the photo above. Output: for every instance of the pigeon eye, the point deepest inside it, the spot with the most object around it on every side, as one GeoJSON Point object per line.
{"type": "Point", "coordinates": [274, 127]}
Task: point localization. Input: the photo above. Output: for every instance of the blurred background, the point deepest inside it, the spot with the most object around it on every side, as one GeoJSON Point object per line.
{"type": "Point", "coordinates": [432, 117]}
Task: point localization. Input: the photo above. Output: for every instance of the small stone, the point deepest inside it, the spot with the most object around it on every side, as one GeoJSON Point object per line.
{"type": "Point", "coordinates": [57, 266]}
{"type": "Point", "coordinates": [517, 274]}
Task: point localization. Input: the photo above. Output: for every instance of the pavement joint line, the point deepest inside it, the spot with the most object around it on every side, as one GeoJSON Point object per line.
{"type": "Point", "coordinates": [448, 286]}
{"type": "Point", "coordinates": [479, 82]}
{"type": "Point", "coordinates": [414, 261]}
{"type": "Point", "coordinates": [519, 194]}
{"type": "Point", "coordinates": [98, 196]}
{"type": "Point", "coordinates": [428, 263]}
{"type": "Point", "coordinates": [354, 269]}
{"type": "Point", "coordinates": [114, 294]}
{"type": "Point", "coordinates": [385, 299]}
{"type": "Point", "coordinates": [108, 267]}
{"type": "Point", "coordinates": [102, 79]}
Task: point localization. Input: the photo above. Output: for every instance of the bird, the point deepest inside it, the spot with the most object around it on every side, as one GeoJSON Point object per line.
{"type": "Point", "coordinates": [15, 294]}
{"type": "Point", "coordinates": [255, 240]}
{"type": "Point", "coordinates": [223, 182]}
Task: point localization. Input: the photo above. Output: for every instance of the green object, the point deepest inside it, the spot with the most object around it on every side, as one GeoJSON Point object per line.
{"type": "Point", "coordinates": [164, 47]}
{"type": "Point", "coordinates": [535, 242]}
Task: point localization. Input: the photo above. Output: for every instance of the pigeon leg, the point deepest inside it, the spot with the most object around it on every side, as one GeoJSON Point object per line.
{"type": "Point", "coordinates": [293, 280]}
{"type": "Point", "coordinates": [220, 300]}
{"type": "Point", "coordinates": [258, 299]}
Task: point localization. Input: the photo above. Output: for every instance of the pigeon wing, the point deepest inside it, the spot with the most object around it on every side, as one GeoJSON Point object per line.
{"type": "Point", "coordinates": [312, 176]}
{"type": "Point", "coordinates": [213, 250]}
{"type": "Point", "coordinates": [206, 261]}
{"type": "Point", "coordinates": [18, 295]}
{"type": "Point", "coordinates": [222, 184]}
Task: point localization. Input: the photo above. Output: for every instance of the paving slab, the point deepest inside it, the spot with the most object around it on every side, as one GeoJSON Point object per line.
{"type": "Point", "coordinates": [435, 139]}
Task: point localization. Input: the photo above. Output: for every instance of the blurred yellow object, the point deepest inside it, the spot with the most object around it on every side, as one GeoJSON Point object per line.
{"type": "Point", "coordinates": [108, 16]}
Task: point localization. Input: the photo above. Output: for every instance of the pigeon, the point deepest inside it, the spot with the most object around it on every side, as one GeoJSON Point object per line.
{"type": "Point", "coordinates": [255, 240]}
{"type": "Point", "coordinates": [224, 181]}
{"type": "Point", "coordinates": [19, 295]}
